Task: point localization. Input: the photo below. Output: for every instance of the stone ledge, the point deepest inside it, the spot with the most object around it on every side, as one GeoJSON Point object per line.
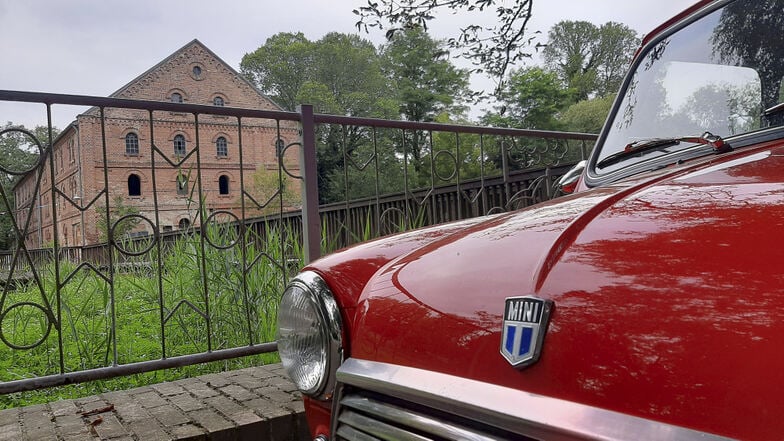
{"type": "Point", "coordinates": [257, 403]}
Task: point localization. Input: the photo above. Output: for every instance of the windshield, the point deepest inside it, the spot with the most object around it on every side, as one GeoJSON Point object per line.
{"type": "Point", "coordinates": [717, 74]}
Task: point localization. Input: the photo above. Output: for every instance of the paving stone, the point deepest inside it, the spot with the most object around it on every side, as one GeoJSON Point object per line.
{"type": "Point", "coordinates": [267, 408]}
{"type": "Point", "coordinates": [200, 389]}
{"type": "Point", "coordinates": [87, 400]}
{"type": "Point", "coordinates": [9, 416]}
{"type": "Point", "coordinates": [132, 411]}
{"type": "Point", "coordinates": [238, 392]}
{"type": "Point", "coordinates": [10, 432]}
{"type": "Point", "coordinates": [246, 380]}
{"type": "Point", "coordinates": [246, 417]}
{"type": "Point", "coordinates": [70, 425]}
{"type": "Point", "coordinates": [167, 389]}
{"type": "Point", "coordinates": [188, 432]}
{"type": "Point", "coordinates": [139, 390]}
{"type": "Point", "coordinates": [186, 402]}
{"type": "Point", "coordinates": [296, 406]}
{"type": "Point", "coordinates": [262, 372]}
{"type": "Point", "coordinates": [63, 407]}
{"type": "Point", "coordinates": [210, 420]}
{"type": "Point", "coordinates": [215, 380]}
{"type": "Point", "coordinates": [37, 423]}
{"type": "Point", "coordinates": [279, 382]}
{"type": "Point", "coordinates": [149, 430]}
{"type": "Point", "coordinates": [109, 427]}
{"type": "Point", "coordinates": [275, 394]}
{"type": "Point", "coordinates": [150, 400]}
{"type": "Point", "coordinates": [248, 404]}
{"type": "Point", "coordinates": [169, 416]}
{"type": "Point", "coordinates": [118, 397]}
{"type": "Point", "coordinates": [224, 405]}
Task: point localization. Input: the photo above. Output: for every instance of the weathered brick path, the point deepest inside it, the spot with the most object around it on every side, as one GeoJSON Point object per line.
{"type": "Point", "coordinates": [258, 403]}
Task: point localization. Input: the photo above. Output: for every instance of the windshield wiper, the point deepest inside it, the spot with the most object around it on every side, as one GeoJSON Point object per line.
{"type": "Point", "coordinates": [654, 144]}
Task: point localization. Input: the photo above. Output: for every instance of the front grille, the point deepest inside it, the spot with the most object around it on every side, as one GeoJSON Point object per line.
{"type": "Point", "coordinates": [365, 416]}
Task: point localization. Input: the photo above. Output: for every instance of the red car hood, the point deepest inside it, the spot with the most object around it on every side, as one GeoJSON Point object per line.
{"type": "Point", "coordinates": [668, 297]}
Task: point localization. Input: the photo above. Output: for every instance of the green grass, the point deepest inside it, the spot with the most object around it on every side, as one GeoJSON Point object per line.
{"type": "Point", "coordinates": [203, 290]}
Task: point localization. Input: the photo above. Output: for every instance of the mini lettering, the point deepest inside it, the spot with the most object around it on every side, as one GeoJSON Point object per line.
{"type": "Point", "coordinates": [522, 310]}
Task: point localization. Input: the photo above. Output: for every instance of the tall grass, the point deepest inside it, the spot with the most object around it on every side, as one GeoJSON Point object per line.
{"type": "Point", "coordinates": [215, 290]}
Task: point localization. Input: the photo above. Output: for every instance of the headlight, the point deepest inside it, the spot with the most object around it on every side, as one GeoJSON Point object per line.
{"type": "Point", "coordinates": [309, 335]}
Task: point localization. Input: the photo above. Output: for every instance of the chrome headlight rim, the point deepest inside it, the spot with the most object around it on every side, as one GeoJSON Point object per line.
{"type": "Point", "coordinates": [330, 322]}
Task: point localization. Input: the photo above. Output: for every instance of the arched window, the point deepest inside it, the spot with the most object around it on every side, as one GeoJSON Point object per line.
{"type": "Point", "coordinates": [221, 147]}
{"type": "Point", "coordinates": [184, 223]}
{"type": "Point", "coordinates": [176, 97]}
{"type": "Point", "coordinates": [223, 185]}
{"type": "Point", "coordinates": [179, 145]}
{"type": "Point", "coordinates": [134, 185]}
{"type": "Point", "coordinates": [217, 101]}
{"type": "Point", "coordinates": [132, 144]}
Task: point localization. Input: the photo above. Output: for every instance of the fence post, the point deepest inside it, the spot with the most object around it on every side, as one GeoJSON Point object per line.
{"type": "Point", "coordinates": [311, 224]}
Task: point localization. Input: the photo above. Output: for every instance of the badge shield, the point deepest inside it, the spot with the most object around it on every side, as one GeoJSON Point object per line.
{"type": "Point", "coordinates": [524, 327]}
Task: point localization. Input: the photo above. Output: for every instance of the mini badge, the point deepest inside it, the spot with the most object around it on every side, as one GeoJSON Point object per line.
{"type": "Point", "coordinates": [525, 323]}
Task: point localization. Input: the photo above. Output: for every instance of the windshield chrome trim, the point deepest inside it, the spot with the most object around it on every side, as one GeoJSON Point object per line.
{"type": "Point", "coordinates": [509, 409]}
{"type": "Point", "coordinates": [594, 178]}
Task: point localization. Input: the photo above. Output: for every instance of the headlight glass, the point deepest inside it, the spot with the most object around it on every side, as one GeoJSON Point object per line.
{"type": "Point", "coordinates": [309, 335]}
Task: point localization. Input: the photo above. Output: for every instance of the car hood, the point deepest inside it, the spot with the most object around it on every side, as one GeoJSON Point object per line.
{"type": "Point", "coordinates": [667, 296]}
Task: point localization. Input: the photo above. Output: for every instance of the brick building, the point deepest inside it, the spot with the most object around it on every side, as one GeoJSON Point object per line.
{"type": "Point", "coordinates": [154, 168]}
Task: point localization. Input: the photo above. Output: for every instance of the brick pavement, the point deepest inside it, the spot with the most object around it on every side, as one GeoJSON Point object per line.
{"type": "Point", "coordinates": [257, 403]}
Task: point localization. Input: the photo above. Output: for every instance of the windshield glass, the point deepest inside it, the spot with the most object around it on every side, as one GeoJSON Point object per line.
{"type": "Point", "coordinates": [717, 74]}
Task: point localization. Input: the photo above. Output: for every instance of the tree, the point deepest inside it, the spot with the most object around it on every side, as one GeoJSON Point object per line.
{"type": "Point", "coordinates": [531, 99]}
{"type": "Point", "coordinates": [615, 49]}
{"type": "Point", "coordinates": [492, 48]}
{"type": "Point", "coordinates": [425, 82]}
{"type": "Point", "coordinates": [749, 34]}
{"type": "Point", "coordinates": [587, 116]}
{"type": "Point", "coordinates": [280, 67]}
{"type": "Point", "coordinates": [271, 188]}
{"type": "Point", "coordinates": [18, 152]}
{"type": "Point", "coordinates": [338, 74]}
{"type": "Point", "coordinates": [589, 59]}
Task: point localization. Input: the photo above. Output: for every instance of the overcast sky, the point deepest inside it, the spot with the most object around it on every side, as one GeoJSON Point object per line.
{"type": "Point", "coordinates": [94, 47]}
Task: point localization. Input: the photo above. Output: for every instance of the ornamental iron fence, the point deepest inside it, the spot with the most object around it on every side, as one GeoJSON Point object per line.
{"type": "Point", "coordinates": [148, 235]}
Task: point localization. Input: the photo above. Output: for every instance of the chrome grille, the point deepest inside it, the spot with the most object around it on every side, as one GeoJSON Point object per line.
{"type": "Point", "coordinates": [365, 416]}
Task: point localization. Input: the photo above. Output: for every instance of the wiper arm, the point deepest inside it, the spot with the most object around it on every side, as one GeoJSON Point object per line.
{"type": "Point", "coordinates": [654, 144]}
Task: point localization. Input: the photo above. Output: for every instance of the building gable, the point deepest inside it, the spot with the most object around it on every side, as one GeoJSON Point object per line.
{"type": "Point", "coordinates": [199, 76]}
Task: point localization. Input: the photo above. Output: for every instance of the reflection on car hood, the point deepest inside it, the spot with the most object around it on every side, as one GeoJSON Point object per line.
{"type": "Point", "coordinates": [668, 291]}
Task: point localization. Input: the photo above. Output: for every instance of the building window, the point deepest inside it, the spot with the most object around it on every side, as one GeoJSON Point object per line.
{"type": "Point", "coordinates": [196, 72]}
{"type": "Point", "coordinates": [184, 223]}
{"type": "Point", "coordinates": [176, 97]}
{"type": "Point", "coordinates": [182, 185]}
{"type": "Point", "coordinates": [222, 147]}
{"type": "Point", "coordinates": [223, 185]}
{"type": "Point", "coordinates": [132, 144]}
{"type": "Point", "coordinates": [134, 185]}
{"type": "Point", "coordinates": [179, 145]}
{"type": "Point", "coordinates": [217, 101]}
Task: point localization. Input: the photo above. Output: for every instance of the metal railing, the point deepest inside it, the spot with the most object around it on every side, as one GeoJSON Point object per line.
{"type": "Point", "coordinates": [208, 289]}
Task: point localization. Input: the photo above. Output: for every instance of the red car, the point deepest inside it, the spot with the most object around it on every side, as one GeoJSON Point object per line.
{"type": "Point", "coordinates": [649, 304]}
